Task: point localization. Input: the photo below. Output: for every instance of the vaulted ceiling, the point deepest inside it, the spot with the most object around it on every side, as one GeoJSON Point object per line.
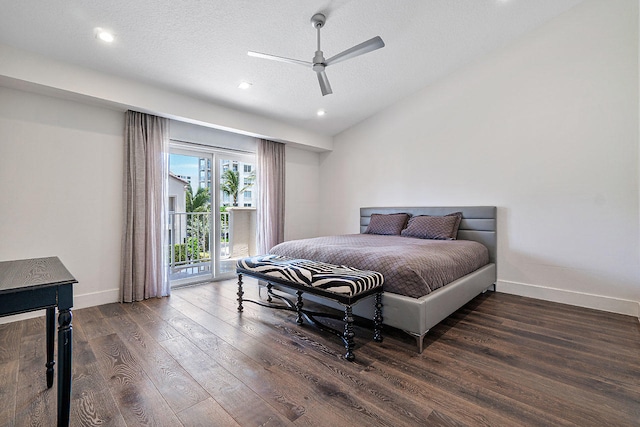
{"type": "Point", "coordinates": [199, 47]}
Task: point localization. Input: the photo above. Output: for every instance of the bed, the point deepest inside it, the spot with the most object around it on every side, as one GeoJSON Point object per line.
{"type": "Point", "coordinates": [418, 309]}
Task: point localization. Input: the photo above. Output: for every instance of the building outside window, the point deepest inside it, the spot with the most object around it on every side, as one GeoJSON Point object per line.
{"type": "Point", "coordinates": [204, 167]}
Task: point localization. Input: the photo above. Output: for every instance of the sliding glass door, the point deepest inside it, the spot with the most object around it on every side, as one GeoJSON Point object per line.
{"type": "Point", "coordinates": [211, 219]}
{"type": "Point", "coordinates": [190, 220]}
{"type": "Point", "coordinates": [237, 195]}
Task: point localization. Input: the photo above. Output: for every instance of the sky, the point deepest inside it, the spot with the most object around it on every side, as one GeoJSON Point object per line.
{"type": "Point", "coordinates": [185, 166]}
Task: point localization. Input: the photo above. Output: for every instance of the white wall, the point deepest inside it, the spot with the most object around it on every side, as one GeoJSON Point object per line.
{"type": "Point", "coordinates": [61, 165]}
{"type": "Point", "coordinates": [23, 70]}
{"type": "Point", "coordinates": [302, 201]}
{"type": "Point", "coordinates": [61, 186]}
{"type": "Point", "coordinates": [547, 130]}
{"type": "Point", "coordinates": [187, 132]}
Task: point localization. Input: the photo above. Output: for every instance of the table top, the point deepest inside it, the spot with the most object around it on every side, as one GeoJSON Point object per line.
{"type": "Point", "coordinates": [36, 272]}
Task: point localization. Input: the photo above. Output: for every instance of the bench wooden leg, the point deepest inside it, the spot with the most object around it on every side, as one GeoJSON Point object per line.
{"type": "Point", "coordinates": [240, 293]}
{"type": "Point", "coordinates": [299, 305]}
{"type": "Point", "coordinates": [269, 286]}
{"type": "Point", "coordinates": [348, 333]}
{"type": "Point", "coordinates": [377, 319]}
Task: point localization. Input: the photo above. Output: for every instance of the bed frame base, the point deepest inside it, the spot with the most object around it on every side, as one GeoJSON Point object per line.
{"type": "Point", "coordinates": [416, 316]}
{"type": "Point", "coordinates": [419, 340]}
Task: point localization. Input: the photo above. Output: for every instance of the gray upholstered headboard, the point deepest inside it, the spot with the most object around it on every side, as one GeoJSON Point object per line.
{"type": "Point", "coordinates": [478, 222]}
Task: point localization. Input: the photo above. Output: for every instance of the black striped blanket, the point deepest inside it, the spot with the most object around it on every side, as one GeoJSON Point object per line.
{"type": "Point", "coordinates": [339, 279]}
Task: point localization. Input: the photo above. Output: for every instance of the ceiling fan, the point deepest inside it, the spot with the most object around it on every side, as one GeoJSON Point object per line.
{"type": "Point", "coordinates": [319, 63]}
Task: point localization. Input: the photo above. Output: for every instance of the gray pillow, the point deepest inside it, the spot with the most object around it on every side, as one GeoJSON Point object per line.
{"type": "Point", "coordinates": [390, 224]}
{"type": "Point", "coordinates": [433, 227]}
{"type": "Point", "coordinates": [457, 226]}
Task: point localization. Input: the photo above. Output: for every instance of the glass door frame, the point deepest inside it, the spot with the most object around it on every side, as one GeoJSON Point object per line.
{"type": "Point", "coordinates": [198, 153]}
{"type": "Point", "coordinates": [232, 156]}
{"type": "Point", "coordinates": [215, 155]}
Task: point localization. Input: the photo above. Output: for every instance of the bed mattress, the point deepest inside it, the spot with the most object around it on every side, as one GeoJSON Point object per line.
{"type": "Point", "coordinates": [411, 267]}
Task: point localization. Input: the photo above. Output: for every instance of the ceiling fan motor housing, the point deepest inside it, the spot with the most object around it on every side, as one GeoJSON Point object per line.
{"type": "Point", "coordinates": [318, 20]}
{"type": "Point", "coordinates": [318, 61]}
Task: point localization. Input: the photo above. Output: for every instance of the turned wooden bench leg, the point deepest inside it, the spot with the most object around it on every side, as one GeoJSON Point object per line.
{"type": "Point", "coordinates": [368, 283]}
{"type": "Point", "coordinates": [299, 305]}
{"type": "Point", "coordinates": [269, 286]}
{"type": "Point", "coordinates": [348, 333]}
{"type": "Point", "coordinates": [377, 319]}
{"type": "Point", "coordinates": [240, 293]}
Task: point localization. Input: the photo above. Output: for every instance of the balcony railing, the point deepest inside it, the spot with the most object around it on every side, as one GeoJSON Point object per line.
{"type": "Point", "coordinates": [190, 248]}
{"type": "Point", "coordinates": [224, 235]}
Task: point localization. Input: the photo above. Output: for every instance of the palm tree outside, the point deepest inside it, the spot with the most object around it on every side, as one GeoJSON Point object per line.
{"type": "Point", "coordinates": [231, 184]}
{"type": "Point", "coordinates": [200, 202]}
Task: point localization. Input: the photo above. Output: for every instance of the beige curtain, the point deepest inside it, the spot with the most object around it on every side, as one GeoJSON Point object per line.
{"type": "Point", "coordinates": [270, 181]}
{"type": "Point", "coordinates": [146, 141]}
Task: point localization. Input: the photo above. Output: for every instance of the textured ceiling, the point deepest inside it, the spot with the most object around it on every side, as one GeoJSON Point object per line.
{"type": "Point", "coordinates": [199, 47]}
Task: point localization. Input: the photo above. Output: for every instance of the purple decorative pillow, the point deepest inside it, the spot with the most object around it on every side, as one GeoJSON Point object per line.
{"type": "Point", "coordinates": [433, 227]}
{"type": "Point", "coordinates": [391, 224]}
{"type": "Point", "coordinates": [454, 235]}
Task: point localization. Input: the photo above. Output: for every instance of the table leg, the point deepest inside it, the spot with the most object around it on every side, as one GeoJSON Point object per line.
{"type": "Point", "coordinates": [51, 327]}
{"type": "Point", "coordinates": [65, 338]}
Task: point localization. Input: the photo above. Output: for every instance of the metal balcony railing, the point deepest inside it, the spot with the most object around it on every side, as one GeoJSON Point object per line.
{"type": "Point", "coordinates": [190, 245]}
{"type": "Point", "coordinates": [224, 235]}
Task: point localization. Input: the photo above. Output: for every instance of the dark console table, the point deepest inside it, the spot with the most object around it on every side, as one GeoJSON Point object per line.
{"type": "Point", "coordinates": [44, 283]}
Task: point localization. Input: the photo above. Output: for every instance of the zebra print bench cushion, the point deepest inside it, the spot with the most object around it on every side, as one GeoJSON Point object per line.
{"type": "Point", "coordinates": [338, 279]}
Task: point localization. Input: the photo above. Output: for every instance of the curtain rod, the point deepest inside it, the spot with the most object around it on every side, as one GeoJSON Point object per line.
{"type": "Point", "coordinates": [211, 146]}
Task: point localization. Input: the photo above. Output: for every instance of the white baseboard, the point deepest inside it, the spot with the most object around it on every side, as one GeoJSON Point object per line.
{"type": "Point", "coordinates": [96, 298]}
{"type": "Point", "coordinates": [597, 302]}
{"type": "Point", "coordinates": [79, 301]}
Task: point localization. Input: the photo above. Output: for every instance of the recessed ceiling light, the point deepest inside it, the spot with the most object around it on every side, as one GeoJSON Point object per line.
{"type": "Point", "coordinates": [244, 85]}
{"type": "Point", "coordinates": [104, 35]}
{"type": "Point", "coordinates": [321, 113]}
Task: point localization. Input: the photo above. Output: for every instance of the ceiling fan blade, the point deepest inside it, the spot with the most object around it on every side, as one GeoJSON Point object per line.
{"type": "Point", "coordinates": [362, 48]}
{"type": "Point", "coordinates": [325, 87]}
{"type": "Point", "coordinates": [279, 58]}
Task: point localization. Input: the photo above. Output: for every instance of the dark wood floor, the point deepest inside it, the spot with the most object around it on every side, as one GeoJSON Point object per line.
{"type": "Point", "coordinates": [191, 360]}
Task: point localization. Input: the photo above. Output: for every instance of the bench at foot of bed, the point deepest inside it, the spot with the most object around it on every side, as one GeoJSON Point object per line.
{"type": "Point", "coordinates": [344, 285]}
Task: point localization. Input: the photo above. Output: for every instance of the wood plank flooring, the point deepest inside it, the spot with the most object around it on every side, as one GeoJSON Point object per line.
{"type": "Point", "coordinates": [192, 360]}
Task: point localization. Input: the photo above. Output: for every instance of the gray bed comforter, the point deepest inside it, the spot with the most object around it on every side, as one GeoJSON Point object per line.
{"type": "Point", "coordinates": [411, 267]}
